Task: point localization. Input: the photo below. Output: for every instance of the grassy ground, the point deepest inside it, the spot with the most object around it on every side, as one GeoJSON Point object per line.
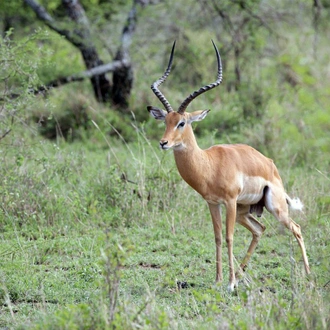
{"type": "Point", "coordinates": [103, 234]}
{"type": "Point", "coordinates": [106, 234]}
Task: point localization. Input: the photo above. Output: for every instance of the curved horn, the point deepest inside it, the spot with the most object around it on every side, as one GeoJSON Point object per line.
{"type": "Point", "coordinates": [192, 96]}
{"type": "Point", "coordinates": [155, 85]}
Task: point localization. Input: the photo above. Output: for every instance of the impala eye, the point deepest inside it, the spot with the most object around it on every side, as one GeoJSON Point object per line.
{"type": "Point", "coordinates": [181, 124]}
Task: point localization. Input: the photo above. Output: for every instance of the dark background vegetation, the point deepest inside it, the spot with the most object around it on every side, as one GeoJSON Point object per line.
{"type": "Point", "coordinates": [97, 229]}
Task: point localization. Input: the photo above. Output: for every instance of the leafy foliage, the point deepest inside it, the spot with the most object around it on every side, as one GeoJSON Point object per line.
{"type": "Point", "coordinates": [18, 78]}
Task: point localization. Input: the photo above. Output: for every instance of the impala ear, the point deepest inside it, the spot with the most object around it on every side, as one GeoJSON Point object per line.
{"type": "Point", "coordinates": [157, 113]}
{"type": "Point", "coordinates": [198, 115]}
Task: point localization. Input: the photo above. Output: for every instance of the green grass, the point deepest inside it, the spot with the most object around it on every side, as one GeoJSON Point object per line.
{"type": "Point", "coordinates": [71, 230]}
{"type": "Point", "coordinates": [97, 233]}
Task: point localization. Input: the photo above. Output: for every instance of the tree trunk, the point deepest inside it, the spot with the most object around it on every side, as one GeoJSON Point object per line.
{"type": "Point", "coordinates": [122, 83]}
{"type": "Point", "coordinates": [123, 76]}
{"type": "Point", "coordinates": [101, 85]}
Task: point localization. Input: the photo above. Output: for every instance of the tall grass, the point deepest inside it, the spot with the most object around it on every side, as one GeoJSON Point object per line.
{"type": "Point", "coordinates": [98, 230]}
{"type": "Point", "coordinates": [113, 238]}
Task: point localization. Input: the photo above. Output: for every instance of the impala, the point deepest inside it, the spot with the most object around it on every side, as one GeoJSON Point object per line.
{"type": "Point", "coordinates": [236, 176]}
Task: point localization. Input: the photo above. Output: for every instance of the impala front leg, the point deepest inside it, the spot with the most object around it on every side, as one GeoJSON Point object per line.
{"type": "Point", "coordinates": [230, 226]}
{"type": "Point", "coordinates": [217, 226]}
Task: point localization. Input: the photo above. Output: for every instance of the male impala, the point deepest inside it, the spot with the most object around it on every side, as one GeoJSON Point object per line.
{"type": "Point", "coordinates": [237, 176]}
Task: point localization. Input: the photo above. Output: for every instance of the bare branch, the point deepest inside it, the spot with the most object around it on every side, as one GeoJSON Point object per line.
{"type": "Point", "coordinates": [40, 11]}
{"type": "Point", "coordinates": [5, 133]}
{"type": "Point", "coordinates": [99, 70]}
{"type": "Point", "coordinates": [44, 16]}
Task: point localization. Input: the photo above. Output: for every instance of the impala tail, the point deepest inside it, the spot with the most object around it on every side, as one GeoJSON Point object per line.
{"type": "Point", "coordinates": [294, 203]}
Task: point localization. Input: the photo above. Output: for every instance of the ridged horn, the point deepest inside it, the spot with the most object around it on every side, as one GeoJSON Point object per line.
{"type": "Point", "coordinates": [158, 82]}
{"type": "Point", "coordinates": [206, 88]}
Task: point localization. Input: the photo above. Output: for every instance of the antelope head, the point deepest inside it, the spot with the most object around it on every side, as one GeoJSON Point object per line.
{"type": "Point", "coordinates": [178, 123]}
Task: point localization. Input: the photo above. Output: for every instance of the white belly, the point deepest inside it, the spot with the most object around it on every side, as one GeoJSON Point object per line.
{"type": "Point", "coordinates": [252, 189]}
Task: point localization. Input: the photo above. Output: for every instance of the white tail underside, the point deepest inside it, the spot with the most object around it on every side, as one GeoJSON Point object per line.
{"type": "Point", "coordinates": [295, 203]}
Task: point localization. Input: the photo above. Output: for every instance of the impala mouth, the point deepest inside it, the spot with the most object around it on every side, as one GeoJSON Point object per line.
{"type": "Point", "coordinates": [174, 147]}
{"type": "Point", "coordinates": [164, 147]}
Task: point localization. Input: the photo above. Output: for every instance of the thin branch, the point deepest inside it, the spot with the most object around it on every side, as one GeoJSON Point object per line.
{"type": "Point", "coordinates": [4, 134]}
{"type": "Point", "coordinates": [40, 11]}
{"type": "Point", "coordinates": [9, 130]}
{"type": "Point", "coordinates": [43, 15]}
{"type": "Point", "coordinates": [96, 71]}
{"type": "Point", "coordinates": [101, 69]}
{"type": "Point", "coordinates": [245, 7]}
{"type": "Point", "coordinates": [55, 25]}
{"type": "Point", "coordinates": [226, 18]}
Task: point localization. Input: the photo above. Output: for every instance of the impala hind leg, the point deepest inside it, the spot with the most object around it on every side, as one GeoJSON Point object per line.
{"type": "Point", "coordinates": [276, 204]}
{"type": "Point", "coordinates": [247, 220]}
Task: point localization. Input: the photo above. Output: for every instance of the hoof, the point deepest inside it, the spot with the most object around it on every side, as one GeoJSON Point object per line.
{"type": "Point", "coordinates": [232, 287]}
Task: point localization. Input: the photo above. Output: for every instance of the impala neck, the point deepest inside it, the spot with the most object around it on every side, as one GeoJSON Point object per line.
{"type": "Point", "coordinates": [189, 143]}
{"type": "Point", "coordinates": [189, 156]}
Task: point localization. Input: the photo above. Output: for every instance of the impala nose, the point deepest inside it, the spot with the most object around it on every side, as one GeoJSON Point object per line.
{"type": "Point", "coordinates": [163, 143]}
